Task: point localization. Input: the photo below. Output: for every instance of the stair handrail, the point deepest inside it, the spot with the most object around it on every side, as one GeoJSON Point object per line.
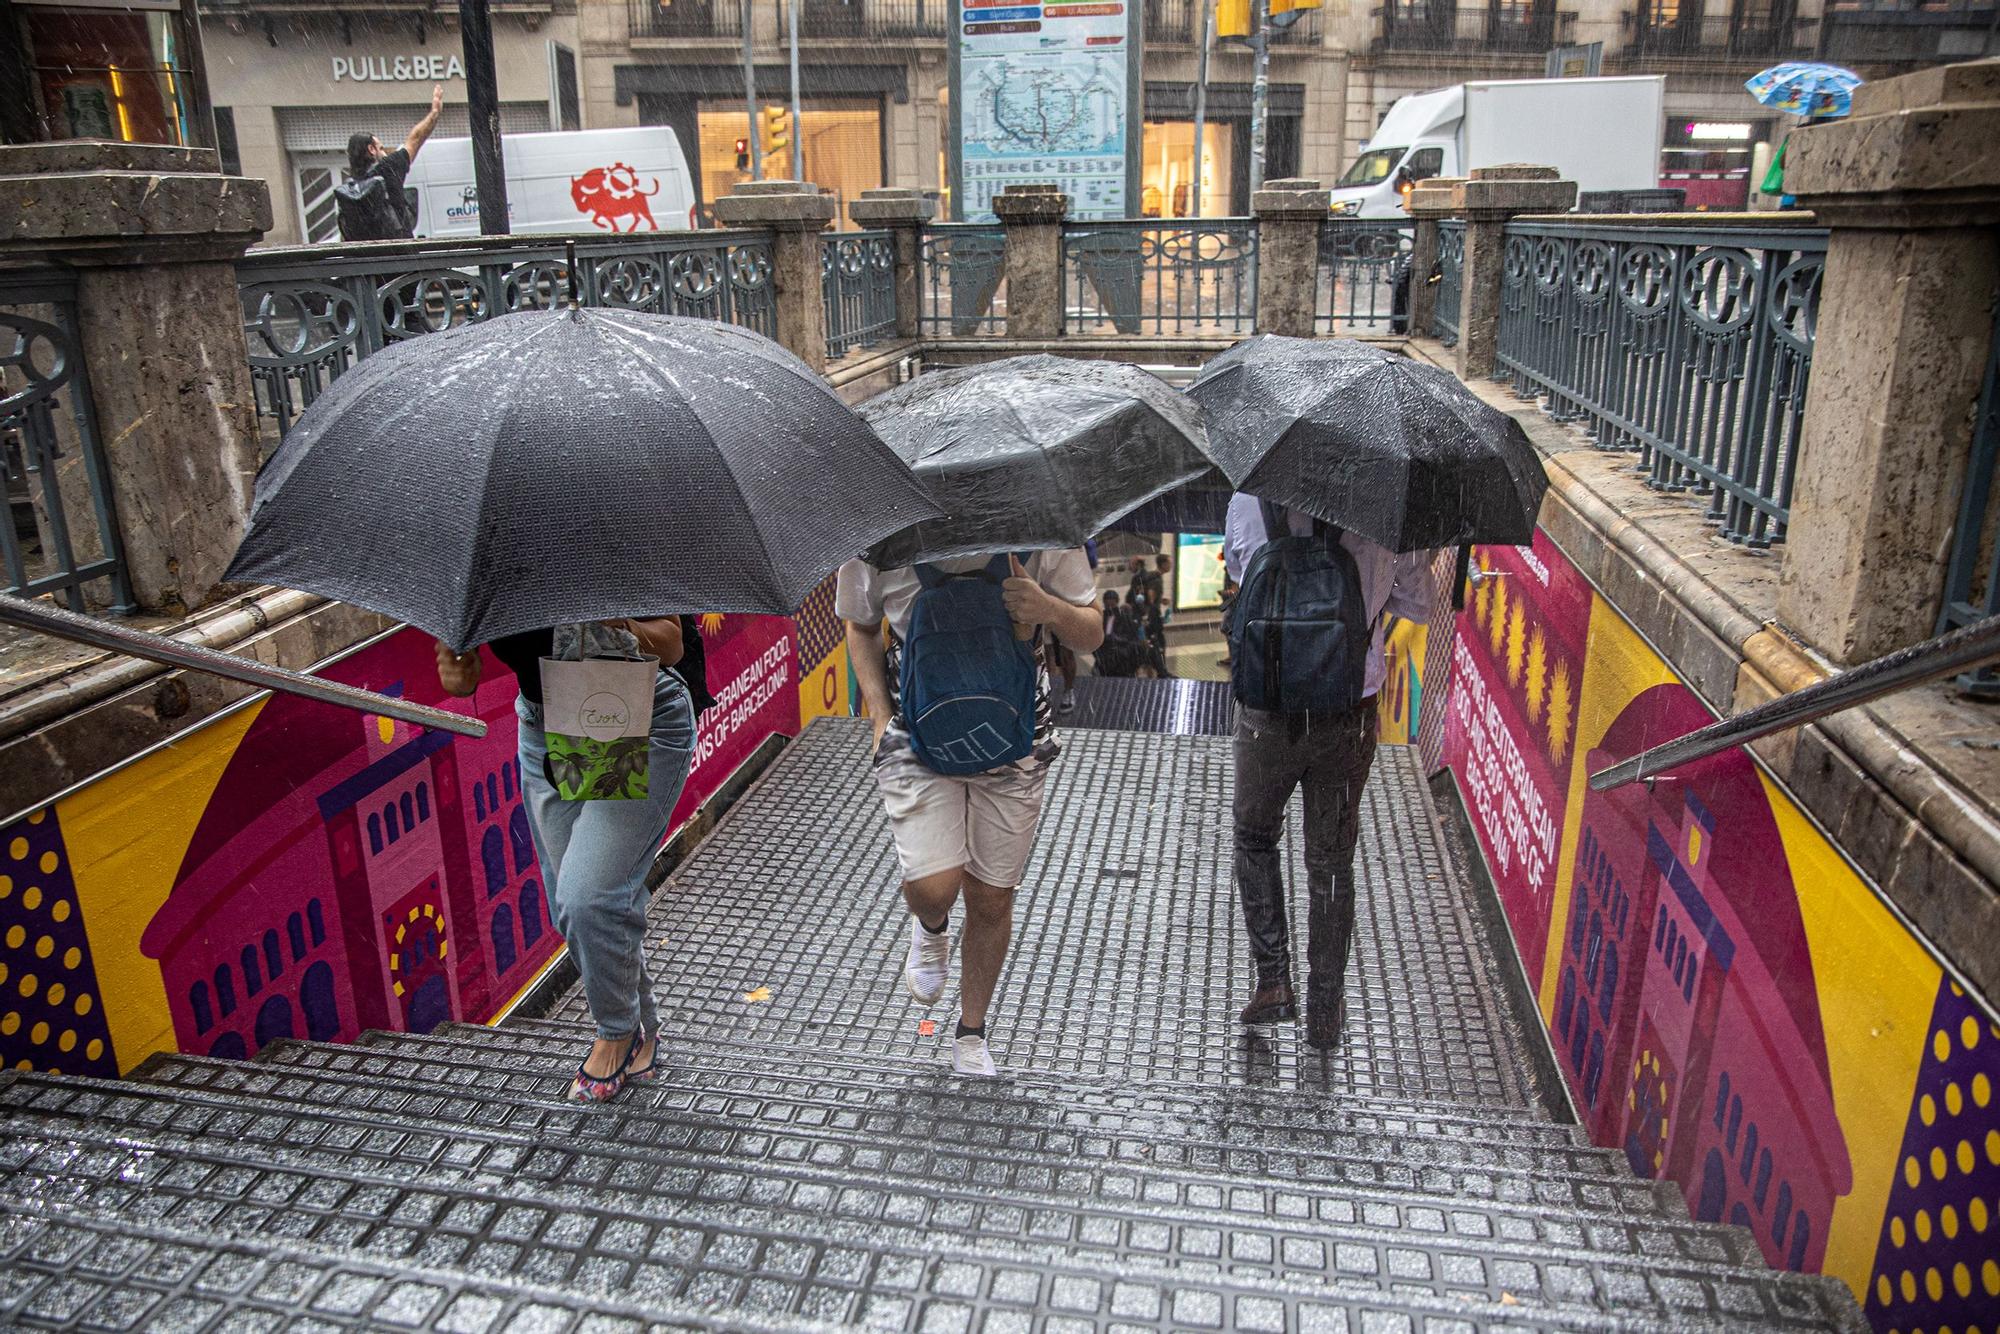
{"type": "Point", "coordinates": [1944, 655]}
{"type": "Point", "coordinates": [62, 623]}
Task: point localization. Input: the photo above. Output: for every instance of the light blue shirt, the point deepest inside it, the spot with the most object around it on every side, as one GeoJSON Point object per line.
{"type": "Point", "coordinates": [1391, 584]}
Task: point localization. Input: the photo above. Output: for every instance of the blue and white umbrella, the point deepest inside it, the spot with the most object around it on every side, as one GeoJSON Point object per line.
{"type": "Point", "coordinates": [1806, 88]}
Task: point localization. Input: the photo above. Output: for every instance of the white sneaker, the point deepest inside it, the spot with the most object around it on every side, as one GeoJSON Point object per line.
{"type": "Point", "coordinates": [929, 964]}
{"type": "Point", "coordinates": [970, 1057]}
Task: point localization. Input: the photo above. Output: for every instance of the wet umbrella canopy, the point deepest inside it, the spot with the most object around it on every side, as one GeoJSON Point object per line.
{"type": "Point", "coordinates": [573, 465]}
{"type": "Point", "coordinates": [1034, 452]}
{"type": "Point", "coordinates": [1391, 448]}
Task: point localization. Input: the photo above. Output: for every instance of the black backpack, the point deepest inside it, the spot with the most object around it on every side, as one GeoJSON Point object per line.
{"type": "Point", "coordinates": [1299, 629]}
{"type": "Point", "coordinates": [369, 210]}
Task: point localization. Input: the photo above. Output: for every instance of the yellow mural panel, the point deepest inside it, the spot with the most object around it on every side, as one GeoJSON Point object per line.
{"type": "Point", "coordinates": [823, 688]}
{"type": "Point", "coordinates": [126, 835]}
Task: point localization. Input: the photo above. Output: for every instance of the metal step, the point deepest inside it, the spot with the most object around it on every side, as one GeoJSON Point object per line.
{"type": "Point", "coordinates": [708, 1254]}
{"type": "Point", "coordinates": [627, 1124]}
{"type": "Point", "coordinates": [66, 1269]}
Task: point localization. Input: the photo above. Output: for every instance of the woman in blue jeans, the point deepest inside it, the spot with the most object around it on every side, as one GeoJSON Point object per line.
{"type": "Point", "coordinates": [595, 854]}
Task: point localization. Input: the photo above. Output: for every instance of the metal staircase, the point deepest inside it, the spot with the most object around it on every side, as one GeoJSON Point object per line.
{"type": "Point", "coordinates": [808, 1160]}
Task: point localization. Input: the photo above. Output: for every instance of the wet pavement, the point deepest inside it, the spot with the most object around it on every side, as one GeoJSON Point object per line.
{"type": "Point", "coordinates": [808, 1160]}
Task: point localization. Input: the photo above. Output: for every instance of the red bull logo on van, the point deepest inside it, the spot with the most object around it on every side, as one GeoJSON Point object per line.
{"type": "Point", "coordinates": [611, 196]}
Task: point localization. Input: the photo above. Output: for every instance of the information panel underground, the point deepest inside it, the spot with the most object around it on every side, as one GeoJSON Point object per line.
{"type": "Point", "coordinates": [1043, 93]}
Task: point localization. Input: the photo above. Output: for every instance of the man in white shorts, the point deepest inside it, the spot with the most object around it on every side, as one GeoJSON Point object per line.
{"type": "Point", "coordinates": [971, 833]}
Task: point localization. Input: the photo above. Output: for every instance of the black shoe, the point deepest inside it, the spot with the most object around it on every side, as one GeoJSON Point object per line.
{"type": "Point", "coordinates": [1325, 1018]}
{"type": "Point", "coordinates": [1273, 1004]}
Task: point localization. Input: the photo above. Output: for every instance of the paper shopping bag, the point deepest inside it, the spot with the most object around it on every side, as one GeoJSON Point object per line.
{"type": "Point", "coordinates": [598, 716]}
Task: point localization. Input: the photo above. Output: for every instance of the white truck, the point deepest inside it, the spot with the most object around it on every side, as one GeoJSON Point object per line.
{"type": "Point", "coordinates": [1602, 133]}
{"type": "Point", "coordinates": [624, 180]}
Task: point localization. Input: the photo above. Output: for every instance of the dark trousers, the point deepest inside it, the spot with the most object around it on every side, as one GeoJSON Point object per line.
{"type": "Point", "coordinates": [1329, 755]}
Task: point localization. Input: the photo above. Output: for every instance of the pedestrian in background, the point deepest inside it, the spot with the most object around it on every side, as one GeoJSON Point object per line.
{"type": "Point", "coordinates": [373, 203]}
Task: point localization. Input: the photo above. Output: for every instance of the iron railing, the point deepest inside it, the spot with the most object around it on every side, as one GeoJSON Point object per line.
{"type": "Point", "coordinates": [872, 18]}
{"type": "Point", "coordinates": [685, 18]}
{"type": "Point", "coordinates": [1134, 276]}
{"type": "Point", "coordinates": [858, 281]}
{"type": "Point", "coordinates": [964, 279]}
{"type": "Point", "coordinates": [1691, 347]}
{"type": "Point", "coordinates": [1451, 281]}
{"type": "Point", "coordinates": [1364, 271]}
{"type": "Point", "coordinates": [1972, 572]}
{"type": "Point", "coordinates": [60, 535]}
{"type": "Point", "coordinates": [310, 313]}
{"type": "Point", "coordinates": [1179, 23]}
{"type": "Point", "coordinates": [1440, 26]}
{"type": "Point", "coordinates": [1762, 34]}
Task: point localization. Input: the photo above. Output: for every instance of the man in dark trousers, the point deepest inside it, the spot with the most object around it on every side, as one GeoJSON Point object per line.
{"type": "Point", "coordinates": [1328, 755]}
{"type": "Point", "coordinates": [371, 202]}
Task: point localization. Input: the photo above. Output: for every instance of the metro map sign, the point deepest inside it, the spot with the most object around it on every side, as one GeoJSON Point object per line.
{"type": "Point", "coordinates": [1046, 92]}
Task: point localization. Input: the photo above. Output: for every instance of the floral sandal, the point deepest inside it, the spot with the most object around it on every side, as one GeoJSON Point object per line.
{"type": "Point", "coordinates": [587, 1087]}
{"type": "Point", "coordinates": [650, 1071]}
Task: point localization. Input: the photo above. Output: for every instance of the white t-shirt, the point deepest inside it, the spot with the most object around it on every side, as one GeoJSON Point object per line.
{"type": "Point", "coordinates": [864, 594]}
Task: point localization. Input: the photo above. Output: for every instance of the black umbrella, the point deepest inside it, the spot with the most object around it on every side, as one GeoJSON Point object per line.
{"type": "Point", "coordinates": [1390, 447]}
{"type": "Point", "coordinates": [1034, 452]}
{"type": "Point", "coordinates": [573, 465]}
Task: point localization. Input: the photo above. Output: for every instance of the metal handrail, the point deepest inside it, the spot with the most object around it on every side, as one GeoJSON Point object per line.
{"type": "Point", "coordinates": [1946, 655]}
{"type": "Point", "coordinates": [50, 620]}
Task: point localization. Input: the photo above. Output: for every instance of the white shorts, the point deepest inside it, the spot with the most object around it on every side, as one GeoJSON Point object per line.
{"type": "Point", "coordinates": [983, 822]}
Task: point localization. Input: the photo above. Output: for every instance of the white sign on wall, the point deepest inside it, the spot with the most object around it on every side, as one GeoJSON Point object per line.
{"type": "Point", "coordinates": [397, 69]}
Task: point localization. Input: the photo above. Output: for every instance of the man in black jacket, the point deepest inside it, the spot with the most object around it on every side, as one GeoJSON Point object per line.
{"type": "Point", "coordinates": [371, 201]}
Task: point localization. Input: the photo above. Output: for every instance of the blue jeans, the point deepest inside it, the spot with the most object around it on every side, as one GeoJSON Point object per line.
{"type": "Point", "coordinates": [595, 855]}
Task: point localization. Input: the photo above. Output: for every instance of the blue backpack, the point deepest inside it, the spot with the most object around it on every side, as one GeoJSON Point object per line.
{"type": "Point", "coordinates": [968, 685]}
{"type": "Point", "coordinates": [1299, 630]}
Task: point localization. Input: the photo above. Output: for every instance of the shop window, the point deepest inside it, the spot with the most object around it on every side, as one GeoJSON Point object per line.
{"type": "Point", "coordinates": [523, 840]}
{"type": "Point", "coordinates": [109, 74]}
{"type": "Point", "coordinates": [317, 921]}
{"type": "Point", "coordinates": [316, 999]}
{"type": "Point", "coordinates": [204, 1018]}
{"type": "Point", "coordinates": [841, 139]}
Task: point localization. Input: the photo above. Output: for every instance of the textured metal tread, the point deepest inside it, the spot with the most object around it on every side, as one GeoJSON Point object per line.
{"type": "Point", "coordinates": [60, 1269]}
{"type": "Point", "coordinates": [1171, 707]}
{"type": "Point", "coordinates": [708, 1260]}
{"type": "Point", "coordinates": [1111, 1092]}
{"type": "Point", "coordinates": [636, 1124]}
{"type": "Point", "coordinates": [1031, 1121]}
{"type": "Point", "coordinates": [1127, 957]}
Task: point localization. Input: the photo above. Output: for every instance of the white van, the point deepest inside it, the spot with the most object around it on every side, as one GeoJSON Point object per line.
{"type": "Point", "coordinates": [1602, 133]}
{"type": "Point", "coordinates": [625, 180]}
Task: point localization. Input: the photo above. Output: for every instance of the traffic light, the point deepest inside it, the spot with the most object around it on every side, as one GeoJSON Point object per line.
{"type": "Point", "coordinates": [776, 127]}
{"type": "Point", "coordinates": [742, 155]}
{"type": "Point", "coordinates": [1232, 18]}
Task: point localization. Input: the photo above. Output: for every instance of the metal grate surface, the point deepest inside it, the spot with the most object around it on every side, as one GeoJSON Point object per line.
{"type": "Point", "coordinates": [1171, 708]}
{"type": "Point", "coordinates": [1127, 954]}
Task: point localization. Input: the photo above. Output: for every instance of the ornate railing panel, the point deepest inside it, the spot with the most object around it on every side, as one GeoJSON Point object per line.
{"type": "Point", "coordinates": [1143, 276]}
{"type": "Point", "coordinates": [1364, 270]}
{"type": "Point", "coordinates": [310, 313]}
{"type": "Point", "coordinates": [1972, 574]}
{"type": "Point", "coordinates": [858, 280]}
{"type": "Point", "coordinates": [964, 279]}
{"type": "Point", "coordinates": [1691, 347]}
{"type": "Point", "coordinates": [1451, 281]}
{"type": "Point", "coordinates": [60, 535]}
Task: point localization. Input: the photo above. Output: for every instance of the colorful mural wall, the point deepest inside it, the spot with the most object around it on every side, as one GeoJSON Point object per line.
{"type": "Point", "coordinates": [290, 869]}
{"type": "Point", "coordinates": [1730, 1003]}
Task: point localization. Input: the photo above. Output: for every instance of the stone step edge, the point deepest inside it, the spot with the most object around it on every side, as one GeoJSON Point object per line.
{"type": "Point", "coordinates": [1664, 1195]}
{"type": "Point", "coordinates": [465, 1056]}
{"type": "Point", "coordinates": [51, 1127]}
{"type": "Point", "coordinates": [505, 1289]}
{"type": "Point", "coordinates": [1666, 1202]}
{"type": "Point", "coordinates": [1470, 1108]}
{"type": "Point", "coordinates": [1169, 1279]}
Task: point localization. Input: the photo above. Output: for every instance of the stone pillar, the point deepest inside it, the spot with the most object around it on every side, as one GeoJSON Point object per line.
{"type": "Point", "coordinates": [1909, 187]}
{"type": "Point", "coordinates": [795, 213]}
{"type": "Point", "coordinates": [1488, 198]}
{"type": "Point", "coordinates": [1290, 214]}
{"type": "Point", "coordinates": [903, 212]}
{"type": "Point", "coordinates": [1430, 203]}
{"type": "Point", "coordinates": [1033, 216]}
{"type": "Point", "coordinates": [153, 234]}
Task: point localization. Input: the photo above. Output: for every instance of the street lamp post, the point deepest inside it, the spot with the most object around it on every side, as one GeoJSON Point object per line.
{"type": "Point", "coordinates": [798, 140]}
{"type": "Point", "coordinates": [482, 107]}
{"type": "Point", "coordinates": [1201, 97]}
{"type": "Point", "coordinates": [750, 97]}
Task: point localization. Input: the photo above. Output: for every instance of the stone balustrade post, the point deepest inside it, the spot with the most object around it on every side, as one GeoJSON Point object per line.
{"type": "Point", "coordinates": [795, 213]}
{"type": "Point", "coordinates": [1430, 203]}
{"type": "Point", "coordinates": [1033, 216]}
{"type": "Point", "coordinates": [902, 213]}
{"type": "Point", "coordinates": [153, 234]}
{"type": "Point", "coordinates": [1909, 189]}
{"type": "Point", "coordinates": [1290, 214]}
{"type": "Point", "coordinates": [1487, 199]}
